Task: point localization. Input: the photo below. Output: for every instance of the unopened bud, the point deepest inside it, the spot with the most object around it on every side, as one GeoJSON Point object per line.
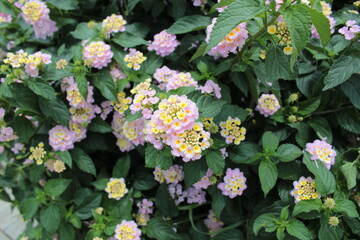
{"type": "Point", "coordinates": [292, 119]}
{"type": "Point", "coordinates": [293, 97]}
{"type": "Point", "coordinates": [91, 24]}
{"type": "Point", "coordinates": [334, 221]}
{"type": "Point", "coordinates": [99, 210]}
{"type": "Point", "coordinates": [329, 203]}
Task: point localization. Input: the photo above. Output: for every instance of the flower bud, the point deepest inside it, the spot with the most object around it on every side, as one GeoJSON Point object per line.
{"type": "Point", "coordinates": [329, 203]}
{"type": "Point", "coordinates": [91, 24]}
{"type": "Point", "coordinates": [293, 97]}
{"type": "Point", "coordinates": [334, 221]}
{"type": "Point", "coordinates": [292, 119]}
{"type": "Point", "coordinates": [294, 109]}
{"type": "Point", "coordinates": [99, 210]}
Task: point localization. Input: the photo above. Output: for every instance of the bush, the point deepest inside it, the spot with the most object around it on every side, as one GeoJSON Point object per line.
{"type": "Point", "coordinates": [181, 119]}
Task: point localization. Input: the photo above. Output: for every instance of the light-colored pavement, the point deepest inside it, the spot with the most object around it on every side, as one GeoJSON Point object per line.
{"type": "Point", "coordinates": [11, 222]}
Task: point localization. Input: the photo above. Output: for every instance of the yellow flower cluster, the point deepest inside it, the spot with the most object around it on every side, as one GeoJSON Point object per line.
{"type": "Point", "coordinates": [325, 7]}
{"type": "Point", "coordinates": [61, 64]}
{"type": "Point", "coordinates": [38, 153]}
{"type": "Point", "coordinates": [116, 188]}
{"type": "Point", "coordinates": [123, 103]}
{"type": "Point", "coordinates": [304, 189]}
{"type": "Point", "coordinates": [59, 166]}
{"type": "Point", "coordinates": [114, 23]}
{"type": "Point", "coordinates": [16, 60]}
{"type": "Point", "coordinates": [231, 131]}
{"type": "Point", "coordinates": [134, 59]}
{"type": "Point", "coordinates": [32, 11]}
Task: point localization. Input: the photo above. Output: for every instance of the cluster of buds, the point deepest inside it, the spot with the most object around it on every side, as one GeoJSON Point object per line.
{"type": "Point", "coordinates": [282, 32]}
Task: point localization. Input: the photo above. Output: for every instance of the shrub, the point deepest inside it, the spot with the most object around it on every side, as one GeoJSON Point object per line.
{"type": "Point", "coordinates": [181, 119]}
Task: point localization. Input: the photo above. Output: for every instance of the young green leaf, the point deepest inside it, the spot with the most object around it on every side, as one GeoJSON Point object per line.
{"type": "Point", "coordinates": [288, 152]}
{"type": "Point", "coordinates": [277, 65]}
{"type": "Point", "coordinates": [83, 32]}
{"type": "Point", "coordinates": [215, 161]}
{"type": "Point", "coordinates": [268, 174]}
{"type": "Point", "coordinates": [83, 161]}
{"type": "Point", "coordinates": [350, 172]}
{"type": "Point", "coordinates": [122, 166]}
{"type": "Point", "coordinates": [270, 141]}
{"type": "Point", "coordinates": [42, 89]}
{"type": "Point", "coordinates": [266, 221]}
{"type": "Point", "coordinates": [50, 218]}
{"type": "Point", "coordinates": [57, 110]}
{"type": "Point", "coordinates": [347, 207]}
{"type": "Point", "coordinates": [104, 82]}
{"type": "Point", "coordinates": [55, 187]}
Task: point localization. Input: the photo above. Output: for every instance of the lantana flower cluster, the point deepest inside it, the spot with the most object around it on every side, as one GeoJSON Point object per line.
{"type": "Point", "coordinates": [146, 208]}
{"type": "Point", "coordinates": [127, 230]}
{"type": "Point", "coordinates": [134, 59]}
{"type": "Point", "coordinates": [212, 222]}
{"type": "Point", "coordinates": [32, 63]}
{"type": "Point", "coordinates": [268, 104]}
{"type": "Point", "coordinates": [234, 183]}
{"type": "Point", "coordinates": [322, 151]}
{"type": "Point", "coordinates": [36, 13]}
{"type": "Point", "coordinates": [231, 131]}
{"type": "Point", "coordinates": [97, 54]}
{"type": "Point", "coordinates": [116, 188]}
{"type": "Point", "coordinates": [164, 43]}
{"type": "Point", "coordinates": [304, 189]}
{"type": "Point", "coordinates": [113, 24]}
{"type": "Point", "coordinates": [350, 30]}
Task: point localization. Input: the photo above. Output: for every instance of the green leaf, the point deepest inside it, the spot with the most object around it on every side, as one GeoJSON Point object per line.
{"type": "Point", "coordinates": [298, 21]}
{"type": "Point", "coordinates": [132, 4]}
{"type": "Point", "coordinates": [144, 181]}
{"type": "Point", "coordinates": [152, 63]}
{"type": "Point", "coordinates": [199, 52]}
{"type": "Point", "coordinates": [350, 172]}
{"type": "Point", "coordinates": [194, 171]}
{"type": "Point", "coordinates": [266, 221]}
{"type": "Point", "coordinates": [270, 141]}
{"type": "Point", "coordinates": [29, 207]}
{"type": "Point", "coordinates": [64, 4]}
{"type": "Point", "coordinates": [83, 32]}
{"type": "Point", "coordinates": [100, 126]}
{"type": "Point", "coordinates": [41, 88]}
{"type": "Point", "coordinates": [208, 107]}
{"type": "Point", "coordinates": [284, 215]}
{"type": "Point", "coordinates": [57, 110]}
{"type": "Point", "coordinates": [268, 174]}
{"type": "Point", "coordinates": [122, 166]}
{"type": "Point", "coordinates": [131, 117]}
{"type": "Point", "coordinates": [82, 84]}
{"type": "Point", "coordinates": [351, 89]}
{"type": "Point", "coordinates": [189, 23]}
{"type": "Point", "coordinates": [322, 25]}
{"type": "Point", "coordinates": [66, 231]}
{"type": "Point", "coordinates": [23, 98]}
{"type": "Point", "coordinates": [55, 187]}
{"type": "Point", "coordinates": [246, 152]}
{"type": "Point", "coordinates": [50, 218]}
{"type": "Point", "coordinates": [298, 229]}
{"type": "Point", "coordinates": [324, 179]}
{"type": "Point", "coordinates": [307, 206]}
{"type": "Point", "coordinates": [24, 128]}
{"type": "Point", "coordinates": [128, 40]}
{"type": "Point", "coordinates": [178, 8]}
{"type": "Point", "coordinates": [341, 70]}
{"type": "Point", "coordinates": [288, 152]}
{"type": "Point", "coordinates": [277, 65]}
{"type": "Point", "coordinates": [218, 200]}
{"type": "Point", "coordinates": [65, 157]}
{"type": "Point", "coordinates": [215, 162]}
{"type": "Point", "coordinates": [90, 203]}
{"type": "Point", "coordinates": [349, 119]}
{"type": "Point", "coordinates": [347, 207]}
{"type": "Point", "coordinates": [309, 106]}
{"type": "Point", "coordinates": [322, 128]}
{"type": "Point", "coordinates": [150, 156]}
{"type": "Point", "coordinates": [161, 230]}
{"type": "Point", "coordinates": [83, 161]}
{"type": "Point", "coordinates": [237, 12]}
{"type": "Point", "coordinates": [164, 203]}
{"type": "Point", "coordinates": [100, 184]}
{"type": "Point", "coordinates": [104, 82]}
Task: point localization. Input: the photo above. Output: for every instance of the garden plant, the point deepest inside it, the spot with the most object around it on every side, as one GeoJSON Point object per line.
{"type": "Point", "coordinates": [181, 119]}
